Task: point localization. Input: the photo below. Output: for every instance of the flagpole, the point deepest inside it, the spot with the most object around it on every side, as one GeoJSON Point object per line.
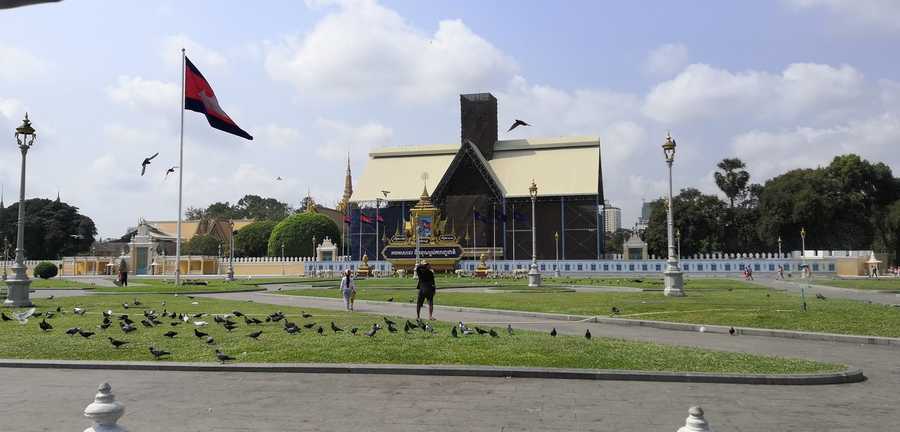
{"type": "Point", "coordinates": [180, 183]}
{"type": "Point", "coordinates": [514, 234]}
{"type": "Point", "coordinates": [494, 235]}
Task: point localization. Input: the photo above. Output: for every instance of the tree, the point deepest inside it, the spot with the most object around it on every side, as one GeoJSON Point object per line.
{"type": "Point", "coordinates": [52, 228]}
{"type": "Point", "coordinates": [892, 234]}
{"type": "Point", "coordinates": [615, 240]}
{"type": "Point", "coordinates": [296, 233]}
{"type": "Point", "coordinates": [202, 245]}
{"type": "Point", "coordinates": [253, 240]}
{"type": "Point", "coordinates": [732, 179]}
{"type": "Point", "coordinates": [699, 218]}
{"type": "Point", "coordinates": [248, 207]}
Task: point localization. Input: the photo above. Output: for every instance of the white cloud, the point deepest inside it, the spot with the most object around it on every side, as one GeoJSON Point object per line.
{"type": "Point", "coordinates": [137, 92]}
{"type": "Point", "coordinates": [365, 50]}
{"type": "Point", "coordinates": [202, 56]}
{"type": "Point", "coordinates": [342, 138]}
{"type": "Point", "coordinates": [18, 65]}
{"type": "Point", "coordinates": [862, 14]}
{"type": "Point", "coordinates": [703, 92]}
{"type": "Point", "coordinates": [10, 108]}
{"type": "Point", "coordinates": [276, 136]}
{"type": "Point", "coordinates": [772, 153]}
{"type": "Point", "coordinates": [666, 59]}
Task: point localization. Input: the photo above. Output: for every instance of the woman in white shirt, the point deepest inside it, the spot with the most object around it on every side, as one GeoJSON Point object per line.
{"type": "Point", "coordinates": [348, 289]}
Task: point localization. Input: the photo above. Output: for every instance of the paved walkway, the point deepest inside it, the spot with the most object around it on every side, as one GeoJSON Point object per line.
{"type": "Point", "coordinates": [796, 286]}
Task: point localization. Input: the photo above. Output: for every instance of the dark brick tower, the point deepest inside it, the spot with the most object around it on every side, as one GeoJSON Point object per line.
{"type": "Point", "coordinates": [478, 113]}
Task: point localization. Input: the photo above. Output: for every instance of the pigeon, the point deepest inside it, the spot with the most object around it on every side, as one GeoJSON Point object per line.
{"type": "Point", "coordinates": [136, 302]}
{"type": "Point", "coordinates": [493, 333]}
{"type": "Point", "coordinates": [105, 325]}
{"type": "Point", "coordinates": [389, 322]}
{"type": "Point", "coordinates": [407, 326]}
{"type": "Point", "coordinates": [587, 334]}
{"type": "Point", "coordinates": [50, 315]}
{"type": "Point", "coordinates": [372, 332]}
{"type": "Point", "coordinates": [509, 329]}
{"type": "Point", "coordinates": [116, 343]}
{"type": "Point", "coordinates": [200, 334]}
{"type": "Point", "coordinates": [306, 315]}
{"type": "Point", "coordinates": [391, 328]}
{"type": "Point", "coordinates": [147, 162]}
{"type": "Point", "coordinates": [292, 329]}
{"type": "Point", "coordinates": [79, 311]}
{"type": "Point", "coordinates": [429, 328]}
{"type": "Point", "coordinates": [230, 327]}
{"type": "Point", "coordinates": [59, 309]}
{"type": "Point", "coordinates": [52, 296]}
{"type": "Point", "coordinates": [86, 334]}
{"type": "Point", "coordinates": [480, 331]}
{"type": "Point", "coordinates": [146, 323]}
{"type": "Point", "coordinates": [390, 299]}
{"type": "Point", "coordinates": [45, 326]}
{"type": "Point", "coordinates": [516, 124]}
{"type": "Point", "coordinates": [169, 171]}
{"type": "Point", "coordinates": [615, 310]}
{"type": "Point", "coordinates": [72, 331]}
{"type": "Point", "coordinates": [200, 323]}
{"type": "Point", "coordinates": [237, 313]}
{"type": "Point", "coordinates": [354, 330]}
{"type": "Point", "coordinates": [335, 328]}
{"type": "Point", "coordinates": [731, 331]}
{"type": "Point", "coordinates": [453, 332]}
{"type": "Point", "coordinates": [170, 334]}
{"type": "Point", "coordinates": [255, 334]}
{"type": "Point", "coordinates": [158, 353]}
{"type": "Point", "coordinates": [210, 340]}
{"type": "Point", "coordinates": [125, 305]}
{"type": "Point", "coordinates": [309, 326]}
{"type": "Point", "coordinates": [553, 332]}
{"type": "Point", "coordinates": [106, 313]}
{"type": "Point", "coordinates": [820, 296]}
{"type": "Point", "coordinates": [128, 328]}
{"type": "Point", "coordinates": [4, 317]}
{"type": "Point", "coordinates": [320, 331]}
{"type": "Point", "coordinates": [22, 317]}
{"type": "Point", "coordinates": [222, 357]}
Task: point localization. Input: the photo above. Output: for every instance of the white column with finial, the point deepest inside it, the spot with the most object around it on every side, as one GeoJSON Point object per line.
{"type": "Point", "coordinates": [695, 421]}
{"type": "Point", "coordinates": [105, 411]}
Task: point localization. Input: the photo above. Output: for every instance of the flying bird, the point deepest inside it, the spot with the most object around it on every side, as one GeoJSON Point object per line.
{"type": "Point", "coordinates": [116, 343]}
{"type": "Point", "coordinates": [147, 162]}
{"type": "Point", "coordinates": [516, 124]}
{"type": "Point", "coordinates": [22, 317]}
{"type": "Point", "coordinates": [278, 178]}
{"type": "Point", "coordinates": [169, 171]}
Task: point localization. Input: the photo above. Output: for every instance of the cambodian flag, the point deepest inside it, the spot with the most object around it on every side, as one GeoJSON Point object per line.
{"type": "Point", "coordinates": [365, 219]}
{"type": "Point", "coordinates": [199, 97]}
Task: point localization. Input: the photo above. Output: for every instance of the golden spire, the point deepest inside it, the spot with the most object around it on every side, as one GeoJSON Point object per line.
{"type": "Point", "coordinates": [348, 186]}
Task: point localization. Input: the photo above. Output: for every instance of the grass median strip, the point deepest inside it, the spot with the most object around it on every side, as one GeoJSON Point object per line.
{"type": "Point", "coordinates": [741, 307]}
{"type": "Point", "coordinates": [529, 349]}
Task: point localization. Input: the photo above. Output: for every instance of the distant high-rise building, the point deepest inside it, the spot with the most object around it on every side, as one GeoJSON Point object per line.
{"type": "Point", "coordinates": [644, 220]}
{"type": "Point", "coordinates": [612, 218]}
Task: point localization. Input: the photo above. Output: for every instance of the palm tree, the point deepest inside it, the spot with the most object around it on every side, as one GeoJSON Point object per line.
{"type": "Point", "coordinates": [733, 178]}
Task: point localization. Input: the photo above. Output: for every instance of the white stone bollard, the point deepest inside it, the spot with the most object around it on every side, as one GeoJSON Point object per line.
{"type": "Point", "coordinates": [694, 422]}
{"type": "Point", "coordinates": [105, 411]}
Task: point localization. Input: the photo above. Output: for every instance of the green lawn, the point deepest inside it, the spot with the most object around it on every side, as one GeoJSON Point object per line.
{"type": "Point", "coordinates": [744, 307]}
{"type": "Point", "coordinates": [881, 284]}
{"type": "Point", "coordinates": [56, 283]}
{"type": "Point", "coordinates": [565, 281]}
{"type": "Point", "coordinates": [522, 349]}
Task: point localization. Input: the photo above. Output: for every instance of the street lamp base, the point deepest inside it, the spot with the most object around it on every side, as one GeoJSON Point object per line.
{"type": "Point", "coordinates": [534, 276]}
{"type": "Point", "coordinates": [674, 283]}
{"type": "Point", "coordinates": [17, 293]}
{"type": "Point", "coordinates": [229, 276]}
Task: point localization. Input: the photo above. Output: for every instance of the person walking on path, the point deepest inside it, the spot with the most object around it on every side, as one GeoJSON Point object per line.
{"type": "Point", "coordinates": [123, 272]}
{"type": "Point", "coordinates": [426, 287]}
{"type": "Point", "coordinates": [780, 272]}
{"type": "Point", "coordinates": [348, 289]}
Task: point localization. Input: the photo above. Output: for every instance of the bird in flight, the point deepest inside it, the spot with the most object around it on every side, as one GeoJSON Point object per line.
{"type": "Point", "coordinates": [516, 124]}
{"type": "Point", "coordinates": [170, 171]}
{"type": "Point", "coordinates": [278, 178]}
{"type": "Point", "coordinates": [147, 162]}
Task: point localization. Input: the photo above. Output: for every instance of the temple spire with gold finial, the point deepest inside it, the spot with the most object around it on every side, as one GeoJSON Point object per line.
{"type": "Point", "coordinates": [348, 186]}
{"type": "Point", "coordinates": [310, 204]}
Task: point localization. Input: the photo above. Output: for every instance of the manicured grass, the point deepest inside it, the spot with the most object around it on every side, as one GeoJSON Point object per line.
{"type": "Point", "coordinates": [522, 349]}
{"type": "Point", "coordinates": [881, 284]}
{"type": "Point", "coordinates": [56, 283]}
{"type": "Point", "coordinates": [744, 307]}
{"type": "Point", "coordinates": [145, 286]}
{"type": "Point", "coordinates": [456, 282]}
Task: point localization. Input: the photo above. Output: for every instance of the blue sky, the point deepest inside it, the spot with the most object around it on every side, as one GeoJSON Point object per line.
{"type": "Point", "coordinates": [781, 84]}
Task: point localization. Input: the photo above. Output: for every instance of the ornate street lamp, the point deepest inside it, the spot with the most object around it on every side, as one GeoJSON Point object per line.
{"type": "Point", "coordinates": [534, 277]}
{"type": "Point", "coordinates": [17, 293]}
{"type": "Point", "coordinates": [779, 247]}
{"type": "Point", "coordinates": [556, 239]}
{"type": "Point", "coordinates": [674, 282]}
{"type": "Point", "coordinates": [282, 258]}
{"type": "Point", "coordinates": [230, 275]}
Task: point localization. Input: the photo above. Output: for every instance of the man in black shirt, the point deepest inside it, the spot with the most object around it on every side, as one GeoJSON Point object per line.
{"type": "Point", "coordinates": [426, 288]}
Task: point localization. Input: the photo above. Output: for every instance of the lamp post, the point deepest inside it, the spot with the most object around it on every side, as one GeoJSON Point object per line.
{"type": "Point", "coordinates": [315, 256]}
{"type": "Point", "coordinates": [806, 272]}
{"type": "Point", "coordinates": [674, 282]}
{"type": "Point", "coordinates": [534, 277]}
{"type": "Point", "coordinates": [803, 243]}
{"type": "Point", "coordinates": [678, 241]}
{"type": "Point", "coordinates": [219, 259]}
{"type": "Point", "coordinates": [230, 275]}
{"type": "Point", "coordinates": [5, 255]}
{"type": "Point", "coordinates": [282, 258]}
{"type": "Point", "coordinates": [17, 294]}
{"type": "Point", "coordinates": [556, 240]}
{"type": "Point", "coordinates": [779, 247]}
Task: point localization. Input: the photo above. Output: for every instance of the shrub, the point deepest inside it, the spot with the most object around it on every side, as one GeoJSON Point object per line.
{"type": "Point", "coordinates": [253, 240]}
{"type": "Point", "coordinates": [297, 231]}
{"type": "Point", "coordinates": [202, 245]}
{"type": "Point", "coordinates": [46, 270]}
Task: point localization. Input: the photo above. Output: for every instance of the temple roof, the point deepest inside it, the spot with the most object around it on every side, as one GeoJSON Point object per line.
{"type": "Point", "coordinates": [561, 167]}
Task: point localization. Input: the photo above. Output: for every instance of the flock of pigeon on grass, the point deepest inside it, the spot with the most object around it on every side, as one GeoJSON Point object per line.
{"type": "Point", "coordinates": [149, 318]}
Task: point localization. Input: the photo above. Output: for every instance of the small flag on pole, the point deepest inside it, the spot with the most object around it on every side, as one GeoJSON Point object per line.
{"type": "Point", "coordinates": [347, 219]}
{"type": "Point", "coordinates": [379, 218]}
{"type": "Point", "coordinates": [199, 97]}
{"type": "Point", "coordinates": [365, 219]}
